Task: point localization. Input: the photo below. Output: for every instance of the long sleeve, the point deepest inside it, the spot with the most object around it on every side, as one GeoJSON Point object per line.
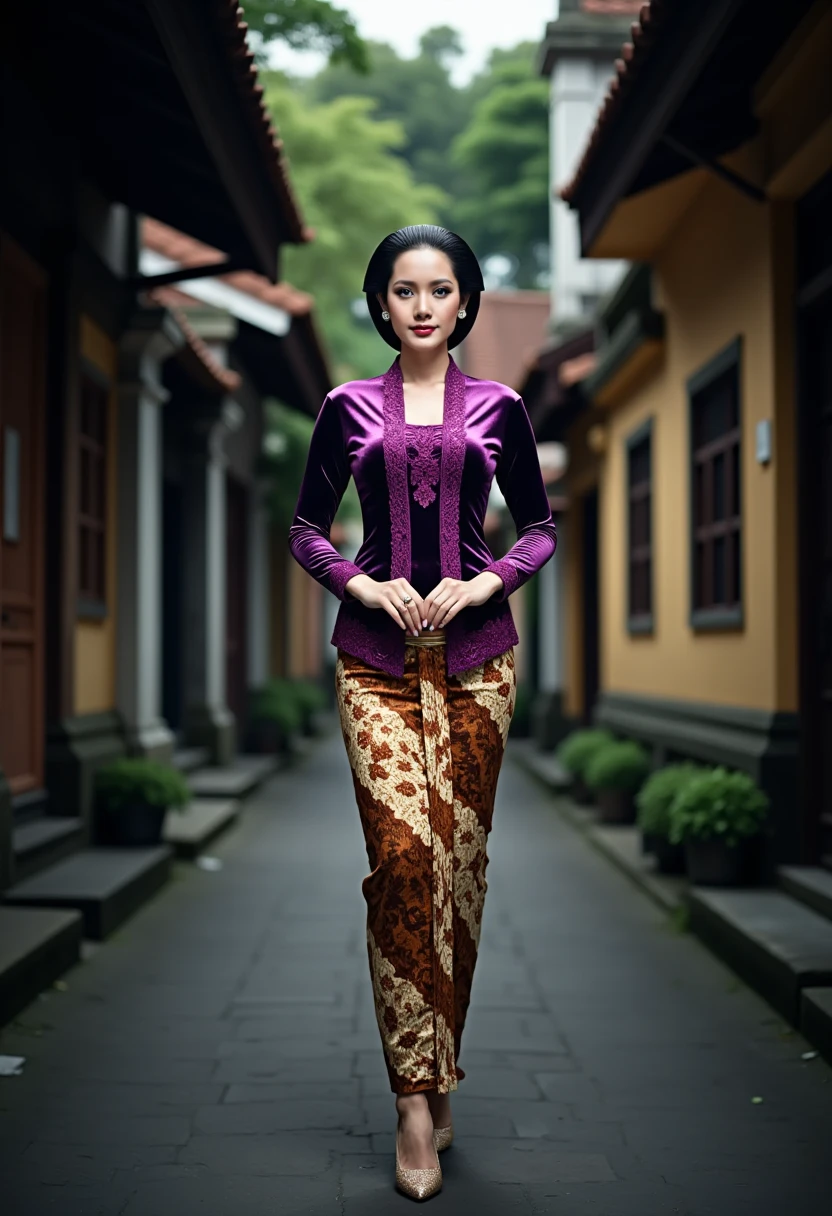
{"type": "Point", "coordinates": [521, 481]}
{"type": "Point", "coordinates": [325, 479]}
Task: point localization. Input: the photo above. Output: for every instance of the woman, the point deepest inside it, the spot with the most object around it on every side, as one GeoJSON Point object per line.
{"type": "Point", "coordinates": [425, 669]}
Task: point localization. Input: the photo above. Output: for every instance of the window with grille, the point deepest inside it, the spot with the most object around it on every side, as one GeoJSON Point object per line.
{"type": "Point", "coordinates": [92, 493]}
{"type": "Point", "coordinates": [640, 530]}
{"type": "Point", "coordinates": [714, 395]}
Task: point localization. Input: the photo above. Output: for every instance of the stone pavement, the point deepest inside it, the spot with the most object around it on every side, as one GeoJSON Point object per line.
{"type": "Point", "coordinates": [219, 1054]}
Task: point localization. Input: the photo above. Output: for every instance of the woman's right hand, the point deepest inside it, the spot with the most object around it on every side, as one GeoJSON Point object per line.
{"type": "Point", "coordinates": [390, 597]}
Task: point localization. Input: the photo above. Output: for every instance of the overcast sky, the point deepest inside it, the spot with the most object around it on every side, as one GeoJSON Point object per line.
{"type": "Point", "coordinates": [483, 24]}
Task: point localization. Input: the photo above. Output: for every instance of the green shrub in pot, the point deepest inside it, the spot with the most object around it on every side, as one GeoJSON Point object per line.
{"type": "Point", "coordinates": [574, 754]}
{"type": "Point", "coordinates": [310, 699]}
{"type": "Point", "coordinates": [717, 816]}
{"type": "Point", "coordinates": [134, 796]}
{"type": "Point", "coordinates": [615, 774]}
{"type": "Point", "coordinates": [653, 803]}
{"type": "Point", "coordinates": [275, 715]}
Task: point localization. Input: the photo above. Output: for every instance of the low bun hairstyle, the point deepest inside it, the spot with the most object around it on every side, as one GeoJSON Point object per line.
{"type": "Point", "coordinates": [424, 236]}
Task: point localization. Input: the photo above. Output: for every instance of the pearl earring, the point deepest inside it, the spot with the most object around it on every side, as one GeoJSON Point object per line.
{"type": "Point", "coordinates": [462, 314]}
{"type": "Point", "coordinates": [385, 316]}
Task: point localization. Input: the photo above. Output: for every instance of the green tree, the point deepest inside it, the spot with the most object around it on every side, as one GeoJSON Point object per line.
{"type": "Point", "coordinates": [353, 189]}
{"type": "Point", "coordinates": [503, 159]}
{"type": "Point", "coordinates": [418, 93]}
{"type": "Point", "coordinates": [309, 25]}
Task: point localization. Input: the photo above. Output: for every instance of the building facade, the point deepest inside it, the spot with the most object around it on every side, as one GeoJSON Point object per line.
{"type": "Point", "coordinates": [699, 457]}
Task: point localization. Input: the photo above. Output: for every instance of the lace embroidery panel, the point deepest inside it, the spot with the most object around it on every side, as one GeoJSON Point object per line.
{"type": "Point", "coordinates": [424, 451]}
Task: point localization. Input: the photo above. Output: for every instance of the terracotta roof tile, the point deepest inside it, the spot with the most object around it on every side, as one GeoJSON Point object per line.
{"type": "Point", "coordinates": [627, 68]}
{"type": "Point", "coordinates": [230, 19]}
{"type": "Point", "coordinates": [224, 377]}
{"type": "Point", "coordinates": [188, 251]}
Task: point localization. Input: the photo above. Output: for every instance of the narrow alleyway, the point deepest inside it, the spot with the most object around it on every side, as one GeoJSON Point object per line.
{"type": "Point", "coordinates": [219, 1055]}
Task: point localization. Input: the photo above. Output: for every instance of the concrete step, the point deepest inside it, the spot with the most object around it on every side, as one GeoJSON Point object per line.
{"type": "Point", "coordinates": [189, 759]}
{"type": "Point", "coordinates": [810, 884]}
{"type": "Point", "coordinates": [235, 780]}
{"type": "Point", "coordinates": [775, 943]}
{"type": "Point", "coordinates": [105, 885]}
{"type": "Point", "coordinates": [816, 1019]}
{"type": "Point", "coordinates": [189, 830]}
{"type": "Point", "coordinates": [43, 841]}
{"type": "Point", "coordinates": [36, 946]}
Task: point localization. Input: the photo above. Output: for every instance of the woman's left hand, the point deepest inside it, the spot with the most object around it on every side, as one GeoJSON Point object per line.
{"type": "Point", "coordinates": [453, 594]}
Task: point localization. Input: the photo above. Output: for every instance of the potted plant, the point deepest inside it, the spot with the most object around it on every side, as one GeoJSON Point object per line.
{"type": "Point", "coordinates": [310, 700]}
{"type": "Point", "coordinates": [717, 816]}
{"type": "Point", "coordinates": [653, 803]}
{"type": "Point", "coordinates": [274, 716]}
{"type": "Point", "coordinates": [575, 753]}
{"type": "Point", "coordinates": [615, 773]}
{"type": "Point", "coordinates": [134, 796]}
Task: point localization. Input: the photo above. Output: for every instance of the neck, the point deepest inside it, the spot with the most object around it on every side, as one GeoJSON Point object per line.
{"type": "Point", "coordinates": [428, 367]}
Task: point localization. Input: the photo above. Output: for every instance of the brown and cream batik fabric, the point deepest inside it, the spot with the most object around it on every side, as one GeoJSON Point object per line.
{"type": "Point", "coordinates": [425, 752]}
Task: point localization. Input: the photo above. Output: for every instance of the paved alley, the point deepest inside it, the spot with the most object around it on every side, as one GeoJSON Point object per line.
{"type": "Point", "coordinates": [219, 1054]}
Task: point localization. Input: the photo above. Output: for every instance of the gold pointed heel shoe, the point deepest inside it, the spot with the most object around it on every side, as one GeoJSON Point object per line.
{"type": "Point", "coordinates": [418, 1184]}
{"type": "Point", "coordinates": [443, 1137]}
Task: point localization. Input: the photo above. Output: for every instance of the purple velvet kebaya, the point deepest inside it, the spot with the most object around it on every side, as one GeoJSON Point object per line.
{"type": "Point", "coordinates": [361, 431]}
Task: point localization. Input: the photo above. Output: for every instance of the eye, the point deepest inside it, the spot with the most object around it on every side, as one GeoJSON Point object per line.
{"type": "Point", "coordinates": [443, 291]}
{"type": "Point", "coordinates": [403, 292]}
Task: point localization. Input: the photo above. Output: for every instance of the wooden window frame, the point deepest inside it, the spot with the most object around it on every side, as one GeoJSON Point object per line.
{"type": "Point", "coordinates": [730, 615]}
{"type": "Point", "coordinates": [91, 606]}
{"type": "Point", "coordinates": [639, 623]}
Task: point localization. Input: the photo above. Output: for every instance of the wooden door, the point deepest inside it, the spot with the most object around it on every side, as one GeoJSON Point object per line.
{"type": "Point", "coordinates": [814, 327]}
{"type": "Point", "coordinates": [22, 358]}
{"type": "Point", "coordinates": [236, 673]}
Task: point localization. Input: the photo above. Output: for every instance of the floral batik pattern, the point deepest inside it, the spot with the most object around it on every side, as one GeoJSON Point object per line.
{"type": "Point", "coordinates": [425, 753]}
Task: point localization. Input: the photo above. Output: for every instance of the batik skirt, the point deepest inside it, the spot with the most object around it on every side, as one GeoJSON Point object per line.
{"type": "Point", "coordinates": [425, 751]}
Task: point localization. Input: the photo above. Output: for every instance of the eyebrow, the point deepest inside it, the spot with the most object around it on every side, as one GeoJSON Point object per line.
{"type": "Point", "coordinates": [410, 283]}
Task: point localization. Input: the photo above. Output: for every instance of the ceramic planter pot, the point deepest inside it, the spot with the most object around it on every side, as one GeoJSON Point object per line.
{"type": "Point", "coordinates": [581, 792]}
{"type": "Point", "coordinates": [713, 863]}
{"type": "Point", "coordinates": [670, 858]}
{"type": "Point", "coordinates": [135, 824]}
{"type": "Point", "coordinates": [267, 738]}
{"type": "Point", "coordinates": [614, 806]}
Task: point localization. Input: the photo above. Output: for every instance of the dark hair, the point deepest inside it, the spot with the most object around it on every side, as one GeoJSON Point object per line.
{"type": "Point", "coordinates": [424, 236]}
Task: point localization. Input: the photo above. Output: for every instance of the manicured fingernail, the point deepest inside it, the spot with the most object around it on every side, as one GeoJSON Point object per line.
{"type": "Point", "coordinates": [415, 633]}
{"type": "Point", "coordinates": [431, 629]}
{"type": "Point", "coordinates": [424, 624]}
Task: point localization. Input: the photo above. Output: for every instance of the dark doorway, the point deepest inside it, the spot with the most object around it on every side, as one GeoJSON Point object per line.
{"type": "Point", "coordinates": [814, 328]}
{"type": "Point", "coordinates": [236, 674]}
{"type": "Point", "coordinates": [22, 360]}
{"type": "Point", "coordinates": [590, 604]}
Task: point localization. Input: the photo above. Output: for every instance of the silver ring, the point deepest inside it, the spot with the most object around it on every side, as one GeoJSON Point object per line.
{"type": "Point", "coordinates": [407, 599]}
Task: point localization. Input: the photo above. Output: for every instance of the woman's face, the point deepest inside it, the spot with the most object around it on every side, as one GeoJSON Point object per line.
{"type": "Point", "coordinates": [423, 299]}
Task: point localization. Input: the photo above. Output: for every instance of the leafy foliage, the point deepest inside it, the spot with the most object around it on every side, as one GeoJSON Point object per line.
{"type": "Point", "coordinates": [277, 703]}
{"type": "Point", "coordinates": [417, 93]}
{"type": "Point", "coordinates": [353, 190]}
{"type": "Point", "coordinates": [504, 157]}
{"type": "Point", "coordinates": [658, 793]}
{"type": "Point", "coordinates": [578, 748]}
{"type": "Point", "coordinates": [622, 767]}
{"type": "Point", "coordinates": [126, 781]}
{"type": "Point", "coordinates": [314, 25]}
{"type": "Point", "coordinates": [718, 805]}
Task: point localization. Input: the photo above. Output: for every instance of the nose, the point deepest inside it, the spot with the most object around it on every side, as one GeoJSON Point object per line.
{"type": "Point", "coordinates": [422, 310]}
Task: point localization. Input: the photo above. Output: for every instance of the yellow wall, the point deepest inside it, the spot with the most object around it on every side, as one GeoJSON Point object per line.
{"type": "Point", "coordinates": [724, 272]}
{"type": "Point", "coordinates": [95, 641]}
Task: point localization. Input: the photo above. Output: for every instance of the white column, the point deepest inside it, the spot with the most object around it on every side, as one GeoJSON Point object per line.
{"type": "Point", "coordinates": [139, 621]}
{"type": "Point", "coordinates": [259, 604]}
